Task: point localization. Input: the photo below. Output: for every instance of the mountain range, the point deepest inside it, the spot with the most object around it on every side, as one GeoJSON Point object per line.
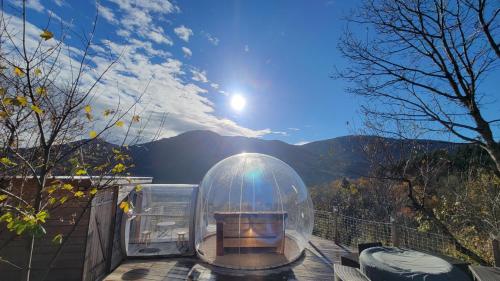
{"type": "Point", "coordinates": [187, 157]}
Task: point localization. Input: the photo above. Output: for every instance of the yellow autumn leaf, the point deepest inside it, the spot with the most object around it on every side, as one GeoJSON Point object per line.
{"type": "Point", "coordinates": [119, 123]}
{"type": "Point", "coordinates": [87, 109]}
{"type": "Point", "coordinates": [7, 101]}
{"type": "Point", "coordinates": [138, 188]}
{"type": "Point", "coordinates": [52, 201]}
{"type": "Point", "coordinates": [125, 206]}
{"type": "Point", "coordinates": [89, 116]}
{"type": "Point", "coordinates": [108, 112]}
{"type": "Point", "coordinates": [118, 168]}
{"type": "Point", "coordinates": [7, 162]}
{"type": "Point", "coordinates": [46, 35]}
{"type": "Point", "coordinates": [3, 197]}
{"type": "Point", "coordinates": [67, 186]}
{"type": "Point", "coordinates": [18, 72]}
{"type": "Point", "coordinates": [38, 72]}
{"type": "Point", "coordinates": [36, 109]}
{"type": "Point", "coordinates": [81, 172]}
{"type": "Point", "coordinates": [42, 91]}
{"type": "Point", "coordinates": [93, 191]}
{"type": "Point", "coordinates": [136, 118]}
{"type": "Point", "coordinates": [79, 194]}
{"type": "Point", "coordinates": [51, 189]}
{"type": "Point", "coordinates": [92, 134]}
{"type": "Point", "coordinates": [63, 199]}
{"type": "Point", "coordinates": [22, 100]}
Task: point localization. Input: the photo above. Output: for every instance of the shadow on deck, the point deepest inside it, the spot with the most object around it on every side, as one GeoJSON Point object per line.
{"type": "Point", "coordinates": [315, 264]}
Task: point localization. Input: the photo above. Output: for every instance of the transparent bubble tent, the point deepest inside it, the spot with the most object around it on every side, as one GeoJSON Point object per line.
{"type": "Point", "coordinates": [253, 212]}
{"type": "Point", "coordinates": [160, 220]}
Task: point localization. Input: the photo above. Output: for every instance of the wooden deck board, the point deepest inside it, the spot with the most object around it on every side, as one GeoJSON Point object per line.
{"type": "Point", "coordinates": [329, 249]}
{"type": "Point", "coordinates": [312, 266]}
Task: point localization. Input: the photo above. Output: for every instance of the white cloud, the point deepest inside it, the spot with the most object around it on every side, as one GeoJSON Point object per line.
{"type": "Point", "coordinates": [285, 134]}
{"type": "Point", "coordinates": [30, 4]}
{"type": "Point", "coordinates": [214, 85]}
{"type": "Point", "coordinates": [329, 3]}
{"type": "Point", "coordinates": [159, 37]}
{"type": "Point", "coordinates": [106, 13]}
{"type": "Point", "coordinates": [302, 142]}
{"type": "Point", "coordinates": [136, 17]}
{"type": "Point", "coordinates": [187, 52]}
{"type": "Point", "coordinates": [123, 32]}
{"type": "Point", "coordinates": [212, 39]}
{"type": "Point", "coordinates": [200, 76]}
{"type": "Point", "coordinates": [168, 96]}
{"type": "Point", "coordinates": [60, 3]}
{"type": "Point", "coordinates": [294, 129]}
{"type": "Point", "coordinates": [183, 32]}
{"type": "Point", "coordinates": [247, 49]}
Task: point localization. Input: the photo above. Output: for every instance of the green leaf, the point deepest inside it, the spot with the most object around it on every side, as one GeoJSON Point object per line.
{"type": "Point", "coordinates": [20, 228]}
{"type": "Point", "coordinates": [58, 239]}
{"type": "Point", "coordinates": [7, 217]}
{"type": "Point", "coordinates": [42, 216]}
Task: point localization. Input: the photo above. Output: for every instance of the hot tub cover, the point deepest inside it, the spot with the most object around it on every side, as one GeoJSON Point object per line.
{"type": "Point", "coordinates": [389, 263]}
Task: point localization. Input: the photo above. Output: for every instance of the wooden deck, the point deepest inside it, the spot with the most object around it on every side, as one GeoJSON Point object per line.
{"type": "Point", "coordinates": [315, 264]}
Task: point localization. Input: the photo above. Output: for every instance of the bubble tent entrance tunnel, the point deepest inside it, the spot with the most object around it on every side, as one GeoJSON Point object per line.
{"type": "Point", "coordinates": [253, 212]}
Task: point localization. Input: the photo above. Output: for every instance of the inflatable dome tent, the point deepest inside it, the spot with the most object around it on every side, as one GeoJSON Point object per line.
{"type": "Point", "coordinates": [253, 212]}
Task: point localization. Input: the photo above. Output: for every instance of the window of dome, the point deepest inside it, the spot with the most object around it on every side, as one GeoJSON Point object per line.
{"type": "Point", "coordinates": [160, 220]}
{"type": "Point", "coordinates": [253, 212]}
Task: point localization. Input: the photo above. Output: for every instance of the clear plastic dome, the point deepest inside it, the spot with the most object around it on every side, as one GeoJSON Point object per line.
{"type": "Point", "coordinates": [253, 212]}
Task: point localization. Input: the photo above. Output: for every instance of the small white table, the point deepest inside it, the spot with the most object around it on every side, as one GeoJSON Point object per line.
{"type": "Point", "coordinates": [167, 225]}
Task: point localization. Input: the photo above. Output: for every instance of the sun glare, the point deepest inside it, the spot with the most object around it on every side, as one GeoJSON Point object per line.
{"type": "Point", "coordinates": [238, 102]}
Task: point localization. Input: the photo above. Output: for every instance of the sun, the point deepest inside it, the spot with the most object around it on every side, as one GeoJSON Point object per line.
{"type": "Point", "coordinates": [238, 102]}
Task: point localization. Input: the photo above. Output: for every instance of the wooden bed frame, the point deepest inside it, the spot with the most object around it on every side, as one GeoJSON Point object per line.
{"type": "Point", "coordinates": [250, 230]}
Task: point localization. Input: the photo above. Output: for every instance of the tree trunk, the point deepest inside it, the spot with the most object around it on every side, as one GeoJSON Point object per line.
{"type": "Point", "coordinates": [30, 247]}
{"type": "Point", "coordinates": [36, 205]}
{"type": "Point", "coordinates": [494, 153]}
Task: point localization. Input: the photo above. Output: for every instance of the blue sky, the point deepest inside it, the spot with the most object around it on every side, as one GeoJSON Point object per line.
{"type": "Point", "coordinates": [278, 54]}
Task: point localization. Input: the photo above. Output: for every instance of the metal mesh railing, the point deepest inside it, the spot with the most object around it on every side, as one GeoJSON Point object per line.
{"type": "Point", "coordinates": [431, 242]}
{"type": "Point", "coordinates": [350, 232]}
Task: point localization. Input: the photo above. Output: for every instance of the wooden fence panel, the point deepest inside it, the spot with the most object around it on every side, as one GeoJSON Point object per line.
{"type": "Point", "coordinates": [100, 235]}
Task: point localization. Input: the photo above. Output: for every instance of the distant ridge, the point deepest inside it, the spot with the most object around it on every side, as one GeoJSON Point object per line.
{"type": "Point", "coordinates": [187, 157]}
